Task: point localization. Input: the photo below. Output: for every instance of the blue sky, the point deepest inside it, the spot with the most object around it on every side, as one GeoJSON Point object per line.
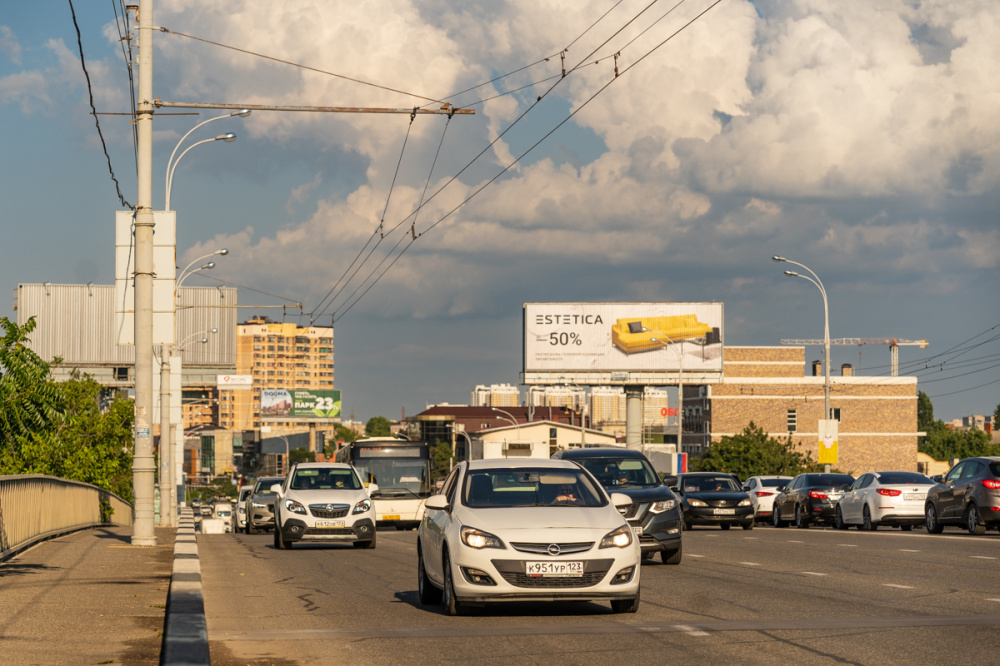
{"type": "Point", "coordinates": [858, 139]}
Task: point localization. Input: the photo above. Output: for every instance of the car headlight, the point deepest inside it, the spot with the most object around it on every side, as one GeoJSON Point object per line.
{"type": "Point", "coordinates": [745, 502]}
{"type": "Point", "coordinates": [661, 506]}
{"type": "Point", "coordinates": [620, 537]}
{"type": "Point", "coordinates": [478, 539]}
{"type": "Point", "coordinates": [295, 507]}
{"type": "Point", "coordinates": [696, 502]}
{"type": "Point", "coordinates": [363, 506]}
{"type": "Point", "coordinates": [258, 505]}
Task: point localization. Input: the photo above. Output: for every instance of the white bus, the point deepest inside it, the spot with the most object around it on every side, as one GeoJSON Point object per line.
{"type": "Point", "coordinates": [402, 471]}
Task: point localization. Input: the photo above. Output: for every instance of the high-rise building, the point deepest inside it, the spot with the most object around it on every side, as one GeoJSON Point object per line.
{"type": "Point", "coordinates": [277, 356]}
{"type": "Point", "coordinates": [572, 397]}
{"type": "Point", "coordinates": [496, 395]}
{"type": "Point", "coordinates": [607, 405]}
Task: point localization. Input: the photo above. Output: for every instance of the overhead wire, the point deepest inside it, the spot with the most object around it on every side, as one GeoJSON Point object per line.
{"type": "Point", "coordinates": [125, 41]}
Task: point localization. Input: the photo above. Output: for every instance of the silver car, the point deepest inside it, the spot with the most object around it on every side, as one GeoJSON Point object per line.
{"type": "Point", "coordinates": [260, 504]}
{"type": "Point", "coordinates": [241, 508]}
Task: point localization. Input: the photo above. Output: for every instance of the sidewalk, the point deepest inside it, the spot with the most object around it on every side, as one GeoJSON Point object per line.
{"type": "Point", "coordinates": [86, 598]}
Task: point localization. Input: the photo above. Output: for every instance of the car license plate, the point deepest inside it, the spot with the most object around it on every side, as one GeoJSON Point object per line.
{"type": "Point", "coordinates": [913, 496]}
{"type": "Point", "coordinates": [637, 530]}
{"type": "Point", "coordinates": [553, 568]}
{"type": "Point", "coordinates": [724, 512]}
{"type": "Point", "coordinates": [391, 516]}
{"type": "Point", "coordinates": [329, 523]}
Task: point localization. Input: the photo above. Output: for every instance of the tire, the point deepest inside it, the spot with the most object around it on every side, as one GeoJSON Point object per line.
{"type": "Point", "coordinates": [672, 556]}
{"type": "Point", "coordinates": [801, 521]}
{"type": "Point", "coordinates": [973, 523]}
{"type": "Point", "coordinates": [906, 528]}
{"type": "Point", "coordinates": [931, 522]}
{"type": "Point", "coordinates": [867, 524]}
{"type": "Point", "coordinates": [748, 525]}
{"type": "Point", "coordinates": [626, 605]}
{"type": "Point", "coordinates": [685, 525]}
{"type": "Point", "coordinates": [279, 541]}
{"type": "Point", "coordinates": [365, 544]}
{"type": "Point", "coordinates": [647, 555]}
{"type": "Point", "coordinates": [725, 526]}
{"type": "Point", "coordinates": [429, 595]}
{"type": "Point", "coordinates": [250, 528]}
{"type": "Point", "coordinates": [838, 519]}
{"type": "Point", "coordinates": [776, 518]}
{"type": "Point", "coordinates": [452, 606]}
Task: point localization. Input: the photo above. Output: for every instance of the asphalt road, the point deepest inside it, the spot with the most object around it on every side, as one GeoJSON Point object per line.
{"type": "Point", "coordinates": [750, 597]}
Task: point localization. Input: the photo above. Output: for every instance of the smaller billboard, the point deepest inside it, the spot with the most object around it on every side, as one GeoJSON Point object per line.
{"type": "Point", "coordinates": [282, 404]}
{"type": "Point", "coordinates": [237, 382]}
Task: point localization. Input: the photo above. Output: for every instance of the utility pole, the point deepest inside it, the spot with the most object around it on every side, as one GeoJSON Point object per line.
{"type": "Point", "coordinates": [166, 441]}
{"type": "Point", "coordinates": [143, 467]}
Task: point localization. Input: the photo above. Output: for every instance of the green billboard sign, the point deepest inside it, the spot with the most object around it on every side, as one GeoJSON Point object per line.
{"type": "Point", "coordinates": [299, 403]}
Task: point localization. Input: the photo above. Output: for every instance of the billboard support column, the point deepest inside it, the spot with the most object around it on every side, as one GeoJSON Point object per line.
{"type": "Point", "coordinates": [312, 438]}
{"type": "Point", "coordinates": [633, 417]}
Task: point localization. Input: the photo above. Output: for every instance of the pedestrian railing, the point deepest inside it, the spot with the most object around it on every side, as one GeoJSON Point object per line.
{"type": "Point", "coordinates": [34, 507]}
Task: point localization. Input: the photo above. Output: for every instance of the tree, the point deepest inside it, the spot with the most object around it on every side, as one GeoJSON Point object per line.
{"type": "Point", "coordinates": [752, 453]}
{"type": "Point", "coordinates": [925, 412]}
{"type": "Point", "coordinates": [996, 417]}
{"type": "Point", "coordinates": [946, 443]}
{"type": "Point", "coordinates": [30, 402]}
{"type": "Point", "coordinates": [378, 426]}
{"type": "Point", "coordinates": [300, 455]}
{"type": "Point", "coordinates": [441, 458]}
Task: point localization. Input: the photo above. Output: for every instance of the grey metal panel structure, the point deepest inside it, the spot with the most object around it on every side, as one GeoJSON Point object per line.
{"type": "Point", "coordinates": [76, 322]}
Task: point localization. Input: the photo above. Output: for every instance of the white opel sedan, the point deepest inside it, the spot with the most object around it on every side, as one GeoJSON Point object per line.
{"type": "Point", "coordinates": [323, 502]}
{"type": "Point", "coordinates": [515, 530]}
{"type": "Point", "coordinates": [895, 499]}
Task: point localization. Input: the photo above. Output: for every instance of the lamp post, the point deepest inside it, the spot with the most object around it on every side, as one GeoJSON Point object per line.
{"type": "Point", "coordinates": [677, 346]}
{"type": "Point", "coordinates": [229, 137]}
{"type": "Point", "coordinates": [517, 426]}
{"type": "Point", "coordinates": [826, 330]}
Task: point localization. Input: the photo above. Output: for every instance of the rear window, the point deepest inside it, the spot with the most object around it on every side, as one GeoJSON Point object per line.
{"type": "Point", "coordinates": [820, 480]}
{"type": "Point", "coordinates": [774, 483]}
{"type": "Point", "coordinates": [886, 478]}
{"type": "Point", "coordinates": [995, 468]}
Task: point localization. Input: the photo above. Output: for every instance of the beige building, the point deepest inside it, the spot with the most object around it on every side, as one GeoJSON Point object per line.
{"type": "Point", "coordinates": [769, 386]}
{"type": "Point", "coordinates": [277, 356]}
{"type": "Point", "coordinates": [496, 395]}
{"type": "Point", "coordinates": [570, 397]}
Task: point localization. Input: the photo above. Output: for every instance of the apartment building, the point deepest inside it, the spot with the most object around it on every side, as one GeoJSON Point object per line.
{"type": "Point", "coordinates": [571, 397]}
{"type": "Point", "coordinates": [496, 395]}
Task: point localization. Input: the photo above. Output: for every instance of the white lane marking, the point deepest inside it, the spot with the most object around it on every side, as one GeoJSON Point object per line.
{"type": "Point", "coordinates": [691, 631]}
{"type": "Point", "coordinates": [752, 538]}
{"type": "Point", "coordinates": [796, 542]}
{"type": "Point", "coordinates": [908, 550]}
{"type": "Point", "coordinates": [812, 573]}
{"type": "Point", "coordinates": [848, 545]}
{"type": "Point", "coordinates": [997, 600]}
{"type": "Point", "coordinates": [981, 557]}
{"type": "Point", "coordinates": [901, 587]}
{"type": "Point", "coordinates": [690, 555]}
{"type": "Point", "coordinates": [749, 564]}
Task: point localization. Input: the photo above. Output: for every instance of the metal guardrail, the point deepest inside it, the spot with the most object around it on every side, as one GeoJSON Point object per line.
{"type": "Point", "coordinates": [35, 507]}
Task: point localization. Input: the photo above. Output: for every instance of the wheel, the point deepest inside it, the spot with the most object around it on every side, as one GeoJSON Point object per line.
{"type": "Point", "coordinates": [647, 555]}
{"type": "Point", "coordinates": [672, 556]}
{"type": "Point", "coordinates": [748, 525]}
{"type": "Point", "coordinates": [975, 526]}
{"type": "Point", "coordinates": [725, 526]}
{"type": "Point", "coordinates": [365, 544]}
{"type": "Point", "coordinates": [931, 520]}
{"type": "Point", "coordinates": [686, 526]}
{"type": "Point", "coordinates": [867, 524]}
{"type": "Point", "coordinates": [776, 518]}
{"type": "Point", "coordinates": [279, 541]}
{"type": "Point", "coordinates": [425, 588]}
{"type": "Point", "coordinates": [626, 605]}
{"type": "Point", "coordinates": [838, 519]}
{"type": "Point", "coordinates": [451, 604]}
{"type": "Point", "coordinates": [906, 528]}
{"type": "Point", "coordinates": [250, 528]}
{"type": "Point", "coordinates": [801, 521]}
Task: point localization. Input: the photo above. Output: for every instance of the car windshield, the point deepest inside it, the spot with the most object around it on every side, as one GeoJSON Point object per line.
{"type": "Point", "coordinates": [530, 487]}
{"type": "Point", "coordinates": [325, 478]}
{"type": "Point", "coordinates": [709, 484]}
{"type": "Point", "coordinates": [223, 514]}
{"type": "Point", "coordinates": [886, 478]}
{"type": "Point", "coordinates": [621, 472]}
{"type": "Point", "coordinates": [774, 483]}
{"type": "Point", "coordinates": [264, 486]}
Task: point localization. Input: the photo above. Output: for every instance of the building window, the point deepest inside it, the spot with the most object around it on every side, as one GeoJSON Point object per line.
{"type": "Point", "coordinates": [791, 419]}
{"type": "Point", "coordinates": [835, 414]}
{"type": "Point", "coordinates": [121, 374]}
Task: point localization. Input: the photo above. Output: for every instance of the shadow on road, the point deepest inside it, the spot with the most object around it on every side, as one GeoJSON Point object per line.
{"type": "Point", "coordinates": [108, 534]}
{"type": "Point", "coordinates": [512, 608]}
{"type": "Point", "coordinates": [14, 568]}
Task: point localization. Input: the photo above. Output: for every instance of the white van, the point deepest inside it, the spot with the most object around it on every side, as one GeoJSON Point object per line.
{"type": "Point", "coordinates": [224, 512]}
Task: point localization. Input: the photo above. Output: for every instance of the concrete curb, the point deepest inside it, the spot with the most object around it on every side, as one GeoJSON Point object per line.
{"type": "Point", "coordinates": [185, 635]}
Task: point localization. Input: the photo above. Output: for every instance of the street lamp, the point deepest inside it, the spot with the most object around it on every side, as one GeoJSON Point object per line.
{"type": "Point", "coordinates": [517, 426]}
{"type": "Point", "coordinates": [229, 137]}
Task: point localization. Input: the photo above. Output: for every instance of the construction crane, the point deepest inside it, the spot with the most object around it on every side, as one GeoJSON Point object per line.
{"type": "Point", "coordinates": [894, 345]}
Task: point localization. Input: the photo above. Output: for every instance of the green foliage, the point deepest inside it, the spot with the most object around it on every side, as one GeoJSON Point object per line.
{"type": "Point", "coordinates": [378, 426]}
{"type": "Point", "coordinates": [30, 402]}
{"type": "Point", "coordinates": [943, 443]}
{"type": "Point", "coordinates": [345, 434]}
{"type": "Point", "coordinates": [925, 412]}
{"type": "Point", "coordinates": [753, 452]}
{"type": "Point", "coordinates": [441, 458]}
{"type": "Point", "coordinates": [300, 455]}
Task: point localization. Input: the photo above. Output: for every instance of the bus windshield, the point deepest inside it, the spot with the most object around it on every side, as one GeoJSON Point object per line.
{"type": "Point", "coordinates": [399, 471]}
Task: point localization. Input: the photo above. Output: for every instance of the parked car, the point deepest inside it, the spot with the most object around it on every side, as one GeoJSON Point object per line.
{"type": "Point", "coordinates": [969, 495]}
{"type": "Point", "coordinates": [323, 502]}
{"type": "Point", "coordinates": [505, 530]}
{"type": "Point", "coordinates": [260, 504]}
{"type": "Point", "coordinates": [762, 491]}
{"type": "Point", "coordinates": [654, 514]}
{"type": "Point", "coordinates": [810, 498]}
{"type": "Point", "coordinates": [895, 499]}
{"type": "Point", "coordinates": [241, 507]}
{"type": "Point", "coordinates": [712, 498]}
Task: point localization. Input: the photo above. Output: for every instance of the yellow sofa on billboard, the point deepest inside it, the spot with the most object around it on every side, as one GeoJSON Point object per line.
{"type": "Point", "coordinates": [631, 335]}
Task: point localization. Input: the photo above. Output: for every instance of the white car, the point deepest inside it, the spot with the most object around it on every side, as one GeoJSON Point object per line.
{"type": "Point", "coordinates": [323, 502]}
{"type": "Point", "coordinates": [515, 530]}
{"type": "Point", "coordinates": [884, 498]}
{"type": "Point", "coordinates": [241, 509]}
{"type": "Point", "coordinates": [762, 491]}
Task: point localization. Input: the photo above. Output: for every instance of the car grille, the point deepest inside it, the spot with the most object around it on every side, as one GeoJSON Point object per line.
{"type": "Point", "coordinates": [328, 510]}
{"type": "Point", "coordinates": [723, 503]}
{"type": "Point", "coordinates": [329, 531]}
{"type": "Point", "coordinates": [648, 539]}
{"type": "Point", "coordinates": [543, 548]}
{"type": "Point", "coordinates": [628, 510]}
{"type": "Point", "coordinates": [524, 580]}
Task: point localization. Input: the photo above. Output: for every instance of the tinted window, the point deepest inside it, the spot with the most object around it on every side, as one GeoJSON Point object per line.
{"type": "Point", "coordinates": [528, 486]}
{"type": "Point", "coordinates": [773, 483]}
{"type": "Point", "coordinates": [972, 469]}
{"type": "Point", "coordinates": [818, 480]}
{"type": "Point", "coordinates": [867, 481]}
{"type": "Point", "coordinates": [621, 472]}
{"type": "Point", "coordinates": [904, 477]}
{"type": "Point", "coordinates": [995, 468]}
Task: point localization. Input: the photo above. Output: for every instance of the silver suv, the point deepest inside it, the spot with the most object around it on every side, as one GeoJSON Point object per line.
{"type": "Point", "coordinates": [260, 504]}
{"type": "Point", "coordinates": [324, 502]}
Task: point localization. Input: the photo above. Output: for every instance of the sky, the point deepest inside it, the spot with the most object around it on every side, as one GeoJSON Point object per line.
{"type": "Point", "coordinates": [857, 138]}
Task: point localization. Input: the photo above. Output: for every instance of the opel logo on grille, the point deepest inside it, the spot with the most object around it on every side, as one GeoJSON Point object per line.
{"type": "Point", "coordinates": [554, 549]}
{"type": "Point", "coordinates": [329, 507]}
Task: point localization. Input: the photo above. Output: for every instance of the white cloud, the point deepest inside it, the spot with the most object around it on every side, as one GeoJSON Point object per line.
{"type": "Point", "coordinates": [9, 45]}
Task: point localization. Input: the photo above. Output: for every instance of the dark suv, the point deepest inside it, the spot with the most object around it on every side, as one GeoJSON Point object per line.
{"type": "Point", "coordinates": [654, 514]}
{"type": "Point", "coordinates": [968, 495]}
{"type": "Point", "coordinates": [810, 498]}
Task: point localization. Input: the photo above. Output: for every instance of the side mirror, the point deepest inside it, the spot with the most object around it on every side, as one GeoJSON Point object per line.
{"type": "Point", "coordinates": [439, 502]}
{"type": "Point", "coordinates": [372, 488]}
{"type": "Point", "coordinates": [938, 478]}
{"type": "Point", "coordinates": [276, 489]}
{"type": "Point", "coordinates": [670, 481]}
{"type": "Point", "coordinates": [620, 499]}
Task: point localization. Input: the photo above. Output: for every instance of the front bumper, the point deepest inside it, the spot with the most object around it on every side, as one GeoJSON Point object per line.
{"type": "Point", "coordinates": [657, 531]}
{"type": "Point", "coordinates": [706, 515]}
{"type": "Point", "coordinates": [261, 517]}
{"type": "Point", "coordinates": [297, 529]}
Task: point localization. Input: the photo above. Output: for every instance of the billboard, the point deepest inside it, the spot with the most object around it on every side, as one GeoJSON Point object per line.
{"type": "Point", "coordinates": [239, 382]}
{"type": "Point", "coordinates": [285, 404]}
{"type": "Point", "coordinates": [622, 343]}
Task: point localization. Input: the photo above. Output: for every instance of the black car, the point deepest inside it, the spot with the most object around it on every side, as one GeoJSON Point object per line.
{"type": "Point", "coordinates": [712, 498]}
{"type": "Point", "coordinates": [654, 514]}
{"type": "Point", "coordinates": [810, 498]}
{"type": "Point", "coordinates": [968, 495]}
